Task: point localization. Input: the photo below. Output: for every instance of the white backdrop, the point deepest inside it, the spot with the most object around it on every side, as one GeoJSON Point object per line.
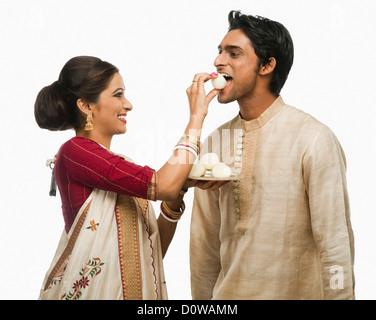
{"type": "Point", "coordinates": [159, 46]}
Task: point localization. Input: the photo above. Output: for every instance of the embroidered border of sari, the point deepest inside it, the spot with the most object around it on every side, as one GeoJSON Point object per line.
{"type": "Point", "coordinates": [112, 252]}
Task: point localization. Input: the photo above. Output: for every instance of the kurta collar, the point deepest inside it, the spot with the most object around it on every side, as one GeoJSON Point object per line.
{"type": "Point", "coordinates": [264, 117]}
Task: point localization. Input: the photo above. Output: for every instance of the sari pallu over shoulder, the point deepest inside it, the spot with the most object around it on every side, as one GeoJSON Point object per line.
{"type": "Point", "coordinates": [112, 251]}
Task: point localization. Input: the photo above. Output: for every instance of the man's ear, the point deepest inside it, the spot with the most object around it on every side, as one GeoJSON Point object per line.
{"type": "Point", "coordinates": [269, 67]}
{"type": "Point", "coordinates": [84, 106]}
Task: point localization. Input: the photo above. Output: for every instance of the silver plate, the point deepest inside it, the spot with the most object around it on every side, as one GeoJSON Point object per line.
{"type": "Point", "coordinates": [208, 177]}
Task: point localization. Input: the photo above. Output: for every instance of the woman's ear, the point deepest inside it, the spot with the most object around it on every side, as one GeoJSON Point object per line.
{"type": "Point", "coordinates": [84, 106]}
{"type": "Point", "coordinates": [269, 67]}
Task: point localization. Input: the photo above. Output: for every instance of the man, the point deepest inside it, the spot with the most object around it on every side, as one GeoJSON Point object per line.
{"type": "Point", "coordinates": [282, 231]}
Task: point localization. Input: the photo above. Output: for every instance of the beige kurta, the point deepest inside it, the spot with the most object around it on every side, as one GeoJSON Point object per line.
{"type": "Point", "coordinates": [283, 230]}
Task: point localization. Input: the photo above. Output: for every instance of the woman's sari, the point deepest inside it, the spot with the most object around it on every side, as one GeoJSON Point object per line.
{"type": "Point", "coordinates": [112, 251]}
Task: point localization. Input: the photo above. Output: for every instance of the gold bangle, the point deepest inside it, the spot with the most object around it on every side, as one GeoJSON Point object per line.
{"type": "Point", "coordinates": [182, 192]}
{"type": "Point", "coordinates": [171, 213]}
{"type": "Point", "coordinates": [191, 141]}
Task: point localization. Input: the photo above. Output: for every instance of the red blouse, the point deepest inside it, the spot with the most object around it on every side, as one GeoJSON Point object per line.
{"type": "Point", "coordinates": [82, 165]}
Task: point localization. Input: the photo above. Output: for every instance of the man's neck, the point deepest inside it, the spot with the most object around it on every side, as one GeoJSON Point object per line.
{"type": "Point", "coordinates": [252, 107]}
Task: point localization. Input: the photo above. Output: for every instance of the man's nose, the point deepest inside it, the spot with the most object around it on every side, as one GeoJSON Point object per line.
{"type": "Point", "coordinates": [220, 60]}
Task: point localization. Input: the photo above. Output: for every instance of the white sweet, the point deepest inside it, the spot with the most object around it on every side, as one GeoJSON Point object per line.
{"type": "Point", "coordinates": [221, 170]}
{"type": "Point", "coordinates": [198, 170]}
{"type": "Point", "coordinates": [209, 160]}
{"type": "Point", "coordinates": [219, 82]}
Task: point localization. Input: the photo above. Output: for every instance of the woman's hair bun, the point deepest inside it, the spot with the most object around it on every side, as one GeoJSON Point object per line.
{"type": "Point", "coordinates": [82, 77]}
{"type": "Point", "coordinates": [50, 109]}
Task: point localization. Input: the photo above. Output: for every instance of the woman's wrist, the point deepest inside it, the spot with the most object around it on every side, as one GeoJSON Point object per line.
{"type": "Point", "coordinates": [199, 116]}
{"type": "Point", "coordinates": [176, 204]}
{"type": "Point", "coordinates": [171, 211]}
{"type": "Point", "coordinates": [195, 124]}
{"type": "Point", "coordinates": [197, 119]}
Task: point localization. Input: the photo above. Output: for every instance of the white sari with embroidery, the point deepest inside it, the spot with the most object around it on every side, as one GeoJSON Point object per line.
{"type": "Point", "coordinates": [112, 251]}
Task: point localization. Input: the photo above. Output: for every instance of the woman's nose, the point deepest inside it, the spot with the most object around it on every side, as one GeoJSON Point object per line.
{"type": "Point", "coordinates": [127, 105]}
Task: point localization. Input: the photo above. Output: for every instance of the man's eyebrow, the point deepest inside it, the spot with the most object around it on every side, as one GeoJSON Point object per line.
{"type": "Point", "coordinates": [230, 47]}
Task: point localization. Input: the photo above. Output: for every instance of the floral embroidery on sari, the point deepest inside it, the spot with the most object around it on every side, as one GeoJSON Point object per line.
{"type": "Point", "coordinates": [59, 274]}
{"type": "Point", "coordinates": [91, 269]}
{"type": "Point", "coordinates": [64, 258]}
{"type": "Point", "coordinates": [93, 225]}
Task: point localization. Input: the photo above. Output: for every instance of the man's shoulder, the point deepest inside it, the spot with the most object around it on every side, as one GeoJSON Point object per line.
{"type": "Point", "coordinates": [305, 126]}
{"type": "Point", "coordinates": [296, 116]}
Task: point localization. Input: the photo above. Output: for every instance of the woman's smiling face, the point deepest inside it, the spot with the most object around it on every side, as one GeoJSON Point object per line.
{"type": "Point", "coordinates": [109, 113]}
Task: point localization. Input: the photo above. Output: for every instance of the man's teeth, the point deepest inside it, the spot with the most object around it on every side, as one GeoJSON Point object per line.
{"type": "Point", "coordinates": [226, 76]}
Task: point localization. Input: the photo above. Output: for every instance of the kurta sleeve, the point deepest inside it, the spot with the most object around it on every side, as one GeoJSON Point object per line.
{"type": "Point", "coordinates": [204, 244]}
{"type": "Point", "coordinates": [92, 165]}
{"type": "Point", "coordinates": [324, 167]}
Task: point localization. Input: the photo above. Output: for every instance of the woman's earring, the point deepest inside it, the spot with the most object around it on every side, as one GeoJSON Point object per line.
{"type": "Point", "coordinates": [89, 122]}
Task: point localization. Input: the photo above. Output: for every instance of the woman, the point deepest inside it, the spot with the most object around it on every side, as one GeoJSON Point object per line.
{"type": "Point", "coordinates": [112, 246]}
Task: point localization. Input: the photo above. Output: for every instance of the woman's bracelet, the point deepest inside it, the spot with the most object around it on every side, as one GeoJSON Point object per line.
{"type": "Point", "coordinates": [189, 143]}
{"type": "Point", "coordinates": [192, 140]}
{"type": "Point", "coordinates": [182, 192]}
{"type": "Point", "coordinates": [188, 148]}
{"type": "Point", "coordinates": [171, 215]}
{"type": "Point", "coordinates": [169, 219]}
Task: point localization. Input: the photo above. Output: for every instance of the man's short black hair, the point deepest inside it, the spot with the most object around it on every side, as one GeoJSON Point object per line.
{"type": "Point", "coordinates": [269, 39]}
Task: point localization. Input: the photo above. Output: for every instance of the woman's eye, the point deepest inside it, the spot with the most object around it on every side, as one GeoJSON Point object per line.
{"type": "Point", "coordinates": [118, 95]}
